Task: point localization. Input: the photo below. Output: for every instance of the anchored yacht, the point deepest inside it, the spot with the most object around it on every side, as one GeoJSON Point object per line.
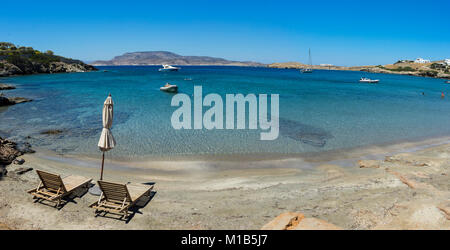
{"type": "Point", "coordinates": [368, 80]}
{"type": "Point", "coordinates": [167, 67]}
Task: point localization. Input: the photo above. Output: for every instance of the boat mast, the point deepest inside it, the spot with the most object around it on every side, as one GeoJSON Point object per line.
{"type": "Point", "coordinates": [310, 61]}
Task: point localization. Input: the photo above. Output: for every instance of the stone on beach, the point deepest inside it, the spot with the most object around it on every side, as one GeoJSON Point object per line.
{"type": "Point", "coordinates": [284, 221]}
{"type": "Point", "coordinates": [10, 150]}
{"type": "Point", "coordinates": [19, 171]}
{"type": "Point", "coordinates": [407, 159]}
{"type": "Point", "coordinates": [19, 161]}
{"type": "Point", "coordinates": [369, 163]}
{"type": "Point", "coordinates": [297, 221]}
{"type": "Point", "coordinates": [402, 178]}
{"type": "Point", "coordinates": [445, 208]}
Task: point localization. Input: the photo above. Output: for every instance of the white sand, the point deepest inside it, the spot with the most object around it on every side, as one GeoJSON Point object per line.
{"type": "Point", "coordinates": [248, 194]}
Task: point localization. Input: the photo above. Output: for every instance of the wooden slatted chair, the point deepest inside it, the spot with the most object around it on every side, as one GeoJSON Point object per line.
{"type": "Point", "coordinates": [52, 188]}
{"type": "Point", "coordinates": [119, 198]}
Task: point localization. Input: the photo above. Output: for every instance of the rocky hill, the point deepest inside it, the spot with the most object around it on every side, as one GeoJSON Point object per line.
{"type": "Point", "coordinates": [26, 60]}
{"type": "Point", "coordinates": [165, 57]}
{"type": "Point", "coordinates": [437, 69]}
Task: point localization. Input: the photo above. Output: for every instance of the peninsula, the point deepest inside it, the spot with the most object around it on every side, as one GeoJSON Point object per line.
{"type": "Point", "coordinates": [16, 60]}
{"type": "Point", "coordinates": [436, 69]}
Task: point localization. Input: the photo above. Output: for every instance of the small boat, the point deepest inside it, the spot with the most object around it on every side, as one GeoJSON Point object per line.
{"type": "Point", "coordinates": [447, 81]}
{"type": "Point", "coordinates": [368, 80]}
{"type": "Point", "coordinates": [188, 79]}
{"type": "Point", "coordinates": [169, 88]}
{"type": "Point", "coordinates": [167, 67]}
{"type": "Point", "coordinates": [307, 70]}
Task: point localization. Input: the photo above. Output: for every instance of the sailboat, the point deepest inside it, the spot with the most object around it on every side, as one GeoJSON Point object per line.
{"type": "Point", "coordinates": [308, 70]}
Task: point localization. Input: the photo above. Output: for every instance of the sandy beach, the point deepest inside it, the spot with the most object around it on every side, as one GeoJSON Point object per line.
{"type": "Point", "coordinates": [404, 186]}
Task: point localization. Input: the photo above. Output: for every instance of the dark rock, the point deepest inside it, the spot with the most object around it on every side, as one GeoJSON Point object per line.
{"type": "Point", "coordinates": [9, 151]}
{"type": "Point", "coordinates": [6, 101]}
{"type": "Point", "coordinates": [21, 171]}
{"type": "Point", "coordinates": [51, 132]}
{"type": "Point", "coordinates": [3, 171]}
{"type": "Point", "coordinates": [19, 161]}
{"type": "Point", "coordinates": [8, 69]}
{"type": "Point", "coordinates": [27, 67]}
{"type": "Point", "coordinates": [17, 100]}
{"type": "Point", "coordinates": [6, 86]}
{"type": "Point", "coordinates": [25, 148]}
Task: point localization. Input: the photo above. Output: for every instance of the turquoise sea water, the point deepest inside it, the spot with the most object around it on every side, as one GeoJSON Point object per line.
{"type": "Point", "coordinates": [325, 110]}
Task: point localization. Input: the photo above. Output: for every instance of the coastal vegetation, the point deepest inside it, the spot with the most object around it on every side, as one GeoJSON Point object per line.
{"type": "Point", "coordinates": [20, 60]}
{"type": "Point", "coordinates": [399, 69]}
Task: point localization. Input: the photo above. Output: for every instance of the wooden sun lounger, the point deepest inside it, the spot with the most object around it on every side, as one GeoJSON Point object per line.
{"type": "Point", "coordinates": [52, 188]}
{"type": "Point", "coordinates": [119, 198]}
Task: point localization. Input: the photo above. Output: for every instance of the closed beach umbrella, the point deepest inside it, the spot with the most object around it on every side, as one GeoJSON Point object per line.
{"type": "Point", "coordinates": [106, 141]}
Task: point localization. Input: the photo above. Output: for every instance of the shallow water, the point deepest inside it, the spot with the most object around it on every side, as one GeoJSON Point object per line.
{"type": "Point", "coordinates": [325, 110]}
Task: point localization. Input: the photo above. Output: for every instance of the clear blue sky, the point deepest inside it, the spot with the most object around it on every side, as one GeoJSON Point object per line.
{"type": "Point", "coordinates": [339, 32]}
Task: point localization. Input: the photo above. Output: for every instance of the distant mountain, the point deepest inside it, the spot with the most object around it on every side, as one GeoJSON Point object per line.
{"type": "Point", "coordinates": [165, 57]}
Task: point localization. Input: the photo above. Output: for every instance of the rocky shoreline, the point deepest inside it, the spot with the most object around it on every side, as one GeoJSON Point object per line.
{"type": "Point", "coordinates": [8, 69]}
{"type": "Point", "coordinates": [433, 70]}
{"type": "Point", "coordinates": [10, 152]}
{"type": "Point", "coordinates": [20, 60]}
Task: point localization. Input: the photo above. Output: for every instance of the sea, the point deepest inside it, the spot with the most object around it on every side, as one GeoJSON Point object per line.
{"type": "Point", "coordinates": [320, 112]}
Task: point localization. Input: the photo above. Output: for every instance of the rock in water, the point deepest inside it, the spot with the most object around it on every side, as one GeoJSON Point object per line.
{"type": "Point", "coordinates": [6, 86]}
{"type": "Point", "coordinates": [6, 101]}
{"type": "Point", "coordinates": [308, 134]}
{"type": "Point", "coordinates": [51, 132]}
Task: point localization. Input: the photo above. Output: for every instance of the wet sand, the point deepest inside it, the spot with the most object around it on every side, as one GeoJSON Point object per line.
{"type": "Point", "coordinates": [404, 186]}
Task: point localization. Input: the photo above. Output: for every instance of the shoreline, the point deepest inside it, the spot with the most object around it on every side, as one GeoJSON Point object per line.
{"type": "Point", "coordinates": [368, 151]}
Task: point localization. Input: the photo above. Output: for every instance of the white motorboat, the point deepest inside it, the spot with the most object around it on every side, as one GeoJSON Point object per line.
{"type": "Point", "coordinates": [167, 67]}
{"type": "Point", "coordinates": [447, 82]}
{"type": "Point", "coordinates": [368, 80]}
{"type": "Point", "coordinates": [169, 88]}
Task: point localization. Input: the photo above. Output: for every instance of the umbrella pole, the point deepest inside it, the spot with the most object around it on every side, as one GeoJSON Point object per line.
{"type": "Point", "coordinates": [103, 162]}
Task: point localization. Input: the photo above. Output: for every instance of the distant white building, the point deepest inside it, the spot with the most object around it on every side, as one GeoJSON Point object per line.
{"type": "Point", "coordinates": [447, 61]}
{"type": "Point", "coordinates": [421, 60]}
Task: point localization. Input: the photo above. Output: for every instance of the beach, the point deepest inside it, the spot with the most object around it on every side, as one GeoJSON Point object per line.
{"type": "Point", "coordinates": [403, 186]}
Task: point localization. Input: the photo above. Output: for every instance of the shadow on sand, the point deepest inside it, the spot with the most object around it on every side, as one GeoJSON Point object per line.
{"type": "Point", "coordinates": [141, 203]}
{"type": "Point", "coordinates": [79, 193]}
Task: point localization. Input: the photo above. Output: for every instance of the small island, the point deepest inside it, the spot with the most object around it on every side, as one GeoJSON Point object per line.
{"type": "Point", "coordinates": [15, 60]}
